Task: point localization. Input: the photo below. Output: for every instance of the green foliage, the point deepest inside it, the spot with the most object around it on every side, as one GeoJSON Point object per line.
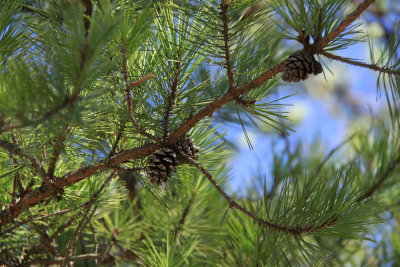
{"type": "Point", "coordinates": [318, 19]}
{"type": "Point", "coordinates": [89, 89]}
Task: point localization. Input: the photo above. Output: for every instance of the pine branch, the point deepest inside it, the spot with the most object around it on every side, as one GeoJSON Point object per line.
{"type": "Point", "coordinates": [17, 176]}
{"type": "Point", "coordinates": [45, 237]}
{"type": "Point", "coordinates": [87, 205]}
{"type": "Point", "coordinates": [88, 14]}
{"type": "Point", "coordinates": [360, 64]}
{"type": "Point", "coordinates": [128, 96]}
{"type": "Point", "coordinates": [209, 109]}
{"type": "Point", "coordinates": [56, 152]}
{"type": "Point", "coordinates": [171, 97]}
{"type": "Point", "coordinates": [231, 95]}
{"type": "Point", "coordinates": [318, 46]}
{"type": "Point", "coordinates": [141, 81]}
{"type": "Point", "coordinates": [87, 216]}
{"type": "Point", "coordinates": [273, 226]}
{"type": "Point", "coordinates": [117, 139]}
{"type": "Point", "coordinates": [185, 213]}
{"type": "Point", "coordinates": [38, 218]}
{"type": "Point", "coordinates": [225, 33]}
{"type": "Point", "coordinates": [14, 209]}
{"type": "Point", "coordinates": [15, 150]}
{"type": "Point", "coordinates": [52, 237]}
{"type": "Point", "coordinates": [382, 178]}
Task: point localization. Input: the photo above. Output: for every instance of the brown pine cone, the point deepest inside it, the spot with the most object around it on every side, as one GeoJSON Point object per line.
{"type": "Point", "coordinates": [299, 65]}
{"type": "Point", "coordinates": [161, 165]}
{"type": "Point", "coordinates": [186, 145]}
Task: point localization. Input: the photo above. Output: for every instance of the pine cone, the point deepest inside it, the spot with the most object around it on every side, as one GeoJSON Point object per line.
{"type": "Point", "coordinates": [161, 165]}
{"type": "Point", "coordinates": [317, 68]}
{"type": "Point", "coordinates": [187, 146]}
{"type": "Point", "coordinates": [299, 65]}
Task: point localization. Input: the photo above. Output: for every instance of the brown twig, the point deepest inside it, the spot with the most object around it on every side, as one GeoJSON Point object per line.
{"type": "Point", "coordinates": [87, 216]}
{"type": "Point", "coordinates": [171, 97]}
{"type": "Point", "coordinates": [229, 96]}
{"type": "Point", "coordinates": [17, 176]}
{"type": "Point", "coordinates": [53, 236]}
{"type": "Point", "coordinates": [56, 152]}
{"type": "Point", "coordinates": [185, 213]}
{"type": "Point", "coordinates": [15, 150]}
{"type": "Point", "coordinates": [147, 77]}
{"type": "Point", "coordinates": [117, 139]}
{"type": "Point", "coordinates": [318, 46]}
{"type": "Point", "coordinates": [38, 218]}
{"type": "Point", "coordinates": [88, 13]}
{"type": "Point", "coordinates": [360, 64]}
{"type": "Point", "coordinates": [226, 48]}
{"type": "Point", "coordinates": [128, 96]}
{"type": "Point", "coordinates": [41, 230]}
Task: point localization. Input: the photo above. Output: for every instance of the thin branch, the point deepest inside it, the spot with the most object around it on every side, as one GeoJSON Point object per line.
{"type": "Point", "coordinates": [88, 15]}
{"type": "Point", "coordinates": [382, 178]}
{"type": "Point", "coordinates": [38, 218]}
{"type": "Point", "coordinates": [185, 213]}
{"type": "Point", "coordinates": [171, 97]}
{"type": "Point", "coordinates": [360, 64]}
{"type": "Point", "coordinates": [226, 48]}
{"type": "Point", "coordinates": [128, 87]}
{"type": "Point", "coordinates": [45, 237]}
{"type": "Point", "coordinates": [231, 95]}
{"type": "Point", "coordinates": [342, 26]}
{"type": "Point", "coordinates": [96, 244]}
{"type": "Point", "coordinates": [15, 150]}
{"type": "Point", "coordinates": [294, 231]}
{"type": "Point", "coordinates": [53, 236]}
{"type": "Point", "coordinates": [56, 152]}
{"type": "Point", "coordinates": [87, 205]}
{"type": "Point", "coordinates": [68, 101]}
{"type": "Point", "coordinates": [87, 216]}
{"type": "Point", "coordinates": [132, 85]}
{"type": "Point", "coordinates": [17, 176]}
{"type": "Point", "coordinates": [117, 139]}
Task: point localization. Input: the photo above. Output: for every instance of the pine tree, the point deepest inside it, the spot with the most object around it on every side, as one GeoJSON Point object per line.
{"type": "Point", "coordinates": [112, 138]}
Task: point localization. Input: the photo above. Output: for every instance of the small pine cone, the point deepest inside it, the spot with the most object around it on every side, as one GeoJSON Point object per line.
{"type": "Point", "coordinates": [317, 67]}
{"type": "Point", "coordinates": [161, 165]}
{"type": "Point", "coordinates": [299, 65]}
{"type": "Point", "coordinates": [187, 146]}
